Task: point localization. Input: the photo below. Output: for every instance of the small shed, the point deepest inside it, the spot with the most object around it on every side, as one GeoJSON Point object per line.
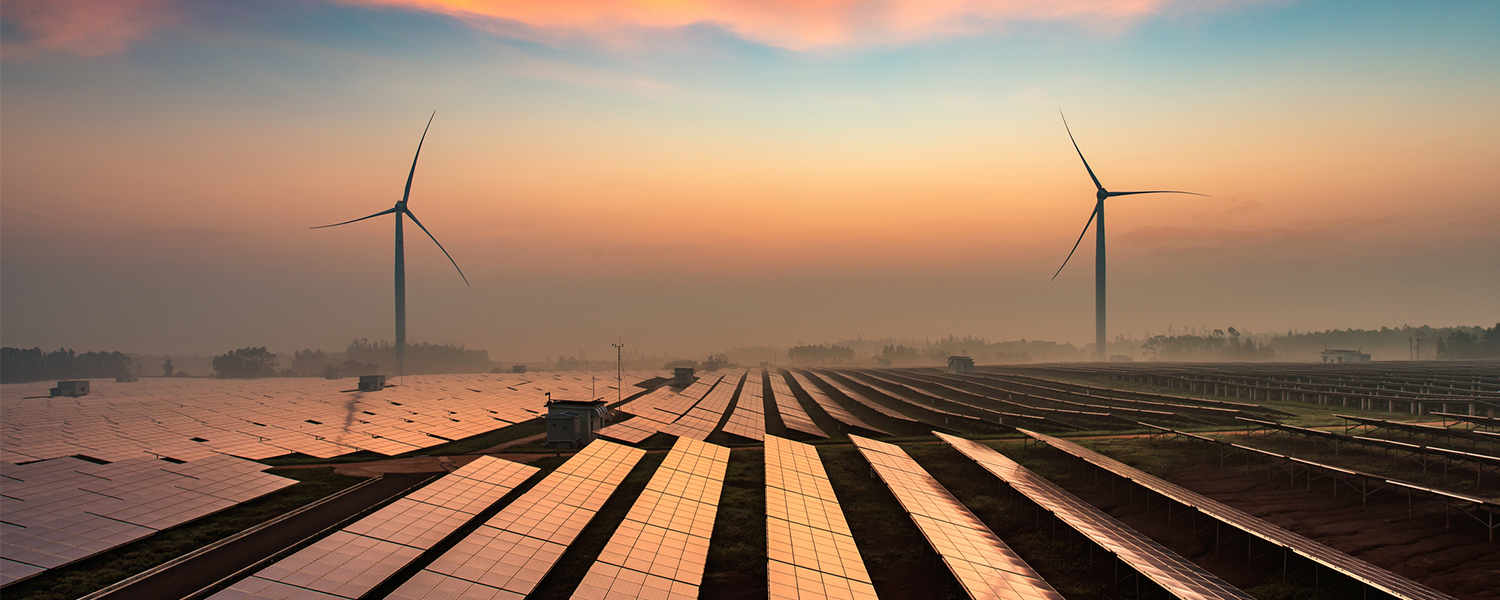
{"type": "Point", "coordinates": [371, 383]}
{"type": "Point", "coordinates": [573, 423]}
{"type": "Point", "coordinates": [70, 389]}
{"type": "Point", "coordinates": [960, 364]}
{"type": "Point", "coordinates": [682, 377]}
{"type": "Point", "coordinates": [1345, 356]}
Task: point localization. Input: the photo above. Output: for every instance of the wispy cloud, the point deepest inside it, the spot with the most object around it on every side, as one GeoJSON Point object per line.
{"type": "Point", "coordinates": [793, 24]}
{"type": "Point", "coordinates": [85, 27]}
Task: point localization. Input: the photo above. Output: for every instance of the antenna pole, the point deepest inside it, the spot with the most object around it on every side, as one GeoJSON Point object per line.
{"type": "Point", "coordinates": [619, 372]}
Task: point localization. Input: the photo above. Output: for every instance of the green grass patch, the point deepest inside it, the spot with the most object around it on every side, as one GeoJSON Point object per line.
{"type": "Point", "coordinates": [736, 566]}
{"type": "Point", "coordinates": [95, 573]}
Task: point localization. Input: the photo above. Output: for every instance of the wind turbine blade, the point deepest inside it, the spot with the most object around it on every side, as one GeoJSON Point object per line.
{"type": "Point", "coordinates": [383, 212]}
{"type": "Point", "coordinates": [1075, 244]}
{"type": "Point", "coordinates": [1113, 194]}
{"type": "Point", "coordinates": [413, 172]}
{"type": "Point", "coordinates": [1080, 153]}
{"type": "Point", "coordinates": [439, 245]}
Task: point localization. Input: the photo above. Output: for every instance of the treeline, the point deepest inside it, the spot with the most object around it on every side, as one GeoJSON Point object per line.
{"type": "Point", "coordinates": [822, 354]}
{"type": "Point", "coordinates": [1217, 345]}
{"type": "Point", "coordinates": [1390, 343]}
{"type": "Point", "coordinates": [1465, 343]}
{"type": "Point", "coordinates": [19, 365]}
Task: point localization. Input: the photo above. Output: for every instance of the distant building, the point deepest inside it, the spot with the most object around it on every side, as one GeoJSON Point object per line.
{"type": "Point", "coordinates": [682, 377]}
{"type": "Point", "coordinates": [960, 364]}
{"type": "Point", "coordinates": [571, 422]}
{"type": "Point", "coordinates": [1344, 356]}
{"type": "Point", "coordinates": [371, 383]}
{"type": "Point", "coordinates": [518, 368]}
{"type": "Point", "coordinates": [70, 389]}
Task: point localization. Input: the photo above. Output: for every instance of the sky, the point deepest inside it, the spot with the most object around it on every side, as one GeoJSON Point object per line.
{"type": "Point", "coordinates": [696, 175]}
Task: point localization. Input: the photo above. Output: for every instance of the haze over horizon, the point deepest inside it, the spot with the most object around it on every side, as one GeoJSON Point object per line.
{"type": "Point", "coordinates": [698, 176]}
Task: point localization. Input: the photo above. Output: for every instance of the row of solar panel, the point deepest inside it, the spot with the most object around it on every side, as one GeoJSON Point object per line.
{"type": "Point", "coordinates": [264, 418]}
{"type": "Point", "coordinates": [63, 510]}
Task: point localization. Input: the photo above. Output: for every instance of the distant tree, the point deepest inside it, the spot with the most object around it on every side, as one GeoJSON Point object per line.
{"type": "Point", "coordinates": [354, 368]}
{"type": "Point", "coordinates": [681, 362]}
{"type": "Point", "coordinates": [1460, 344]}
{"type": "Point", "coordinates": [820, 354]}
{"type": "Point", "coordinates": [166, 368]}
{"type": "Point", "coordinates": [245, 363]}
{"type": "Point", "coordinates": [20, 365]}
{"type": "Point", "coordinates": [310, 362]}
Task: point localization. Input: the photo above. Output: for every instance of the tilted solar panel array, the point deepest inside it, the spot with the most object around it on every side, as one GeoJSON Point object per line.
{"type": "Point", "coordinates": [1371, 575]}
{"type": "Point", "coordinates": [749, 417]}
{"type": "Point", "coordinates": [196, 418]}
{"type": "Point", "coordinates": [62, 510]}
{"type": "Point", "coordinates": [860, 398]}
{"type": "Point", "coordinates": [351, 562]}
{"type": "Point", "coordinates": [704, 418]}
{"type": "Point", "coordinates": [792, 414]}
{"type": "Point", "coordinates": [832, 408]}
{"type": "Point", "coordinates": [660, 548]}
{"type": "Point", "coordinates": [810, 550]}
{"type": "Point", "coordinates": [511, 553]}
{"type": "Point", "coordinates": [983, 564]}
{"type": "Point", "coordinates": [1175, 574]}
{"type": "Point", "coordinates": [658, 410]}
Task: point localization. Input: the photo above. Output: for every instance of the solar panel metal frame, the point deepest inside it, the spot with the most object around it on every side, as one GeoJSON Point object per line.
{"type": "Point", "coordinates": [975, 555]}
{"type": "Point", "coordinates": [1354, 568]}
{"type": "Point", "coordinates": [1173, 573]}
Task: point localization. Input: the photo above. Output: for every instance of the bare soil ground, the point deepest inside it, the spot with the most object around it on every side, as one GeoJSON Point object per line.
{"type": "Point", "coordinates": [1447, 552]}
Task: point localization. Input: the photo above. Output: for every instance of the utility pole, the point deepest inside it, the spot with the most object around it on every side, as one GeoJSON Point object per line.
{"type": "Point", "coordinates": [619, 372]}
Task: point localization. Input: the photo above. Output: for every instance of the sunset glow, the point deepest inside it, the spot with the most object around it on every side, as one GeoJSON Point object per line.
{"type": "Point", "coordinates": [699, 175]}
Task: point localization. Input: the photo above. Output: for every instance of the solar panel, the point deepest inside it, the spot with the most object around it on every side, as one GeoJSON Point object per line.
{"type": "Point", "coordinates": [832, 408]}
{"type": "Point", "coordinates": [1178, 576]}
{"type": "Point", "coordinates": [351, 562]}
{"type": "Point", "coordinates": [660, 548]}
{"type": "Point", "coordinates": [808, 543]}
{"type": "Point", "coordinates": [511, 553]}
{"type": "Point", "coordinates": [749, 417]}
{"type": "Point", "coordinates": [704, 418]}
{"type": "Point", "coordinates": [792, 414]}
{"type": "Point", "coordinates": [983, 564]}
{"type": "Point", "coordinates": [1371, 575]}
{"type": "Point", "coordinates": [58, 511]}
{"type": "Point", "coordinates": [860, 398]}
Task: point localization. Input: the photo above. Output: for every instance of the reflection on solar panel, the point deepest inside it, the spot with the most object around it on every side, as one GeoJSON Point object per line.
{"type": "Point", "coordinates": [658, 410]}
{"type": "Point", "coordinates": [659, 549]}
{"type": "Point", "coordinates": [832, 408]}
{"type": "Point", "coordinates": [749, 417]}
{"type": "Point", "coordinates": [704, 418]}
{"type": "Point", "coordinates": [190, 419]}
{"type": "Point", "coordinates": [983, 564]}
{"type": "Point", "coordinates": [351, 562]}
{"type": "Point", "coordinates": [808, 543]}
{"type": "Point", "coordinates": [1371, 575]}
{"type": "Point", "coordinates": [1177, 575]}
{"type": "Point", "coordinates": [860, 398]}
{"type": "Point", "coordinates": [62, 510]}
{"type": "Point", "coordinates": [511, 553]}
{"type": "Point", "coordinates": [791, 411]}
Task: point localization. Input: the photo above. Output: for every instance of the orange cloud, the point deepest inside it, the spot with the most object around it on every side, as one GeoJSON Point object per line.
{"type": "Point", "coordinates": [793, 24]}
{"type": "Point", "coordinates": [86, 27]}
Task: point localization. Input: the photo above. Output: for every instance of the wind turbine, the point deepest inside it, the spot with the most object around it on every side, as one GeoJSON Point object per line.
{"type": "Point", "coordinates": [399, 210]}
{"type": "Point", "coordinates": [1098, 213]}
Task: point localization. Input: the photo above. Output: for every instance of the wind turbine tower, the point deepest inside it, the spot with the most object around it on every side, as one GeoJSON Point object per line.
{"type": "Point", "coordinates": [1100, 195]}
{"type": "Point", "coordinates": [400, 210]}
